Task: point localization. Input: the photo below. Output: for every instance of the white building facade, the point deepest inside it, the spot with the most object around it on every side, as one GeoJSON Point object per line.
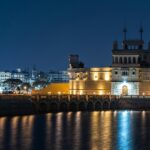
{"type": "Point", "coordinates": [128, 64]}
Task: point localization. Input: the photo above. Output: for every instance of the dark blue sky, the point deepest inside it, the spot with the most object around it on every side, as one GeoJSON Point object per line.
{"type": "Point", "coordinates": [45, 32]}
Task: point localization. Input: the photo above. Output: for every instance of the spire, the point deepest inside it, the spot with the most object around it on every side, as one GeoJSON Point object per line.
{"type": "Point", "coordinates": [141, 33]}
{"type": "Point", "coordinates": [124, 33]}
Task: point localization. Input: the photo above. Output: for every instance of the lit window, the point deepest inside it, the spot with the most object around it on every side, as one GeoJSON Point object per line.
{"type": "Point", "coordinates": [95, 77]}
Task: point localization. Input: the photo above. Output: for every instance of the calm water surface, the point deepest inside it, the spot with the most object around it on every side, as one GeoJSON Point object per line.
{"type": "Point", "coordinates": [105, 130]}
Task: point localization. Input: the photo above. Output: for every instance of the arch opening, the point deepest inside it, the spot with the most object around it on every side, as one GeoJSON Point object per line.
{"type": "Point", "coordinates": [63, 107]}
{"type": "Point", "coordinates": [90, 106]}
{"type": "Point", "coordinates": [124, 90]}
{"type": "Point", "coordinates": [98, 106]}
{"type": "Point", "coordinates": [82, 106]}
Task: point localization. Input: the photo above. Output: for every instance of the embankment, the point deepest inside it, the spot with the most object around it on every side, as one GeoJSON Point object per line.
{"type": "Point", "coordinates": [22, 104]}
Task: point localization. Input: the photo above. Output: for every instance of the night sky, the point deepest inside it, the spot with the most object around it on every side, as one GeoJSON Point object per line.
{"type": "Point", "coordinates": [45, 32]}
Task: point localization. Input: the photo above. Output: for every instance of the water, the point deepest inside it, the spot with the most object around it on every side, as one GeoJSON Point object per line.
{"type": "Point", "coordinates": [105, 130]}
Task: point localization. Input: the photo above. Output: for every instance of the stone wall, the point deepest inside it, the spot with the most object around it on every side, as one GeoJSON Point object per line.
{"type": "Point", "coordinates": [22, 105]}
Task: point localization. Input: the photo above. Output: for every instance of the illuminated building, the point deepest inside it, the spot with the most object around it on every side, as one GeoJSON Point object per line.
{"type": "Point", "coordinates": [92, 81]}
{"type": "Point", "coordinates": [4, 75]}
{"type": "Point", "coordinates": [53, 89]}
{"type": "Point", "coordinates": [130, 67]}
{"type": "Point", "coordinates": [21, 75]}
{"type": "Point", "coordinates": [129, 74]}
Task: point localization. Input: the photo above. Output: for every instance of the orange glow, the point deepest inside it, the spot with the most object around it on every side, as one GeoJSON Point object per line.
{"type": "Point", "coordinates": [107, 77]}
{"type": "Point", "coordinates": [95, 77]}
{"type": "Point", "coordinates": [101, 92]}
{"type": "Point", "coordinates": [81, 92]}
{"type": "Point", "coordinates": [53, 88]}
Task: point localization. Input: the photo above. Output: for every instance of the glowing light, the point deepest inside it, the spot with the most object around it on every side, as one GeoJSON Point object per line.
{"type": "Point", "coordinates": [95, 78]}
{"type": "Point", "coordinates": [59, 93]}
{"type": "Point", "coordinates": [107, 77]}
{"type": "Point", "coordinates": [81, 92]}
{"type": "Point", "coordinates": [85, 78]}
{"type": "Point", "coordinates": [49, 93]}
{"type": "Point", "coordinates": [125, 113]}
{"type": "Point", "coordinates": [124, 82]}
{"type": "Point", "coordinates": [94, 93]}
{"type": "Point", "coordinates": [101, 92]}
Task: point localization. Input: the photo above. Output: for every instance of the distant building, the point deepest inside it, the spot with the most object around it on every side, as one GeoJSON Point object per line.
{"type": "Point", "coordinates": [34, 74]}
{"type": "Point", "coordinates": [4, 75]}
{"type": "Point", "coordinates": [42, 76]}
{"type": "Point", "coordinates": [58, 76]}
{"type": "Point", "coordinates": [21, 75]}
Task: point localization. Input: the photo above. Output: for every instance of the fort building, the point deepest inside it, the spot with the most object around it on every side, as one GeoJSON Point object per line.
{"type": "Point", "coordinates": [90, 81]}
{"type": "Point", "coordinates": [128, 75]}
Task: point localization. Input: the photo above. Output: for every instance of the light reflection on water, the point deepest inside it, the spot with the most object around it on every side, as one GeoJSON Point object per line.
{"type": "Point", "coordinates": [118, 130]}
{"type": "Point", "coordinates": [124, 131]}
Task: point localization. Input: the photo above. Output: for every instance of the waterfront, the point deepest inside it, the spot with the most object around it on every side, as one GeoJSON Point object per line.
{"type": "Point", "coordinates": [119, 130]}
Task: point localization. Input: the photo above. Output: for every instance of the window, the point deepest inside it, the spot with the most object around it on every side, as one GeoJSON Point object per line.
{"type": "Point", "coordinates": [120, 60]}
{"type": "Point", "coordinates": [134, 60]}
{"type": "Point", "coordinates": [124, 73]}
{"type": "Point", "coordinates": [116, 60]}
{"type": "Point", "coordinates": [116, 72]}
{"type": "Point", "coordinates": [129, 60]}
{"type": "Point", "coordinates": [125, 60]}
{"type": "Point", "coordinates": [133, 73]}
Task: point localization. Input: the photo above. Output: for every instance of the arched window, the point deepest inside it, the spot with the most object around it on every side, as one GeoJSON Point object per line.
{"type": "Point", "coordinates": [134, 60]}
{"type": "Point", "coordinates": [120, 60]}
{"type": "Point", "coordinates": [129, 60]}
{"type": "Point", "coordinates": [125, 60]}
{"type": "Point", "coordinates": [113, 59]}
{"type": "Point", "coordinates": [116, 60]}
{"type": "Point", "coordinates": [139, 60]}
{"type": "Point", "coordinates": [124, 90]}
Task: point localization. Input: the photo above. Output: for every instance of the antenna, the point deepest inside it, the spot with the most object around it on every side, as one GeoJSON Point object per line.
{"type": "Point", "coordinates": [141, 33]}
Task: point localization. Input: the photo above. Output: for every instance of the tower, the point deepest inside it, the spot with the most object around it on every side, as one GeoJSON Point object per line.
{"type": "Point", "coordinates": [124, 33]}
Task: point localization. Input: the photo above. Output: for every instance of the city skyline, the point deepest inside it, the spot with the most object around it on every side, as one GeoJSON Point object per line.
{"type": "Point", "coordinates": [45, 33]}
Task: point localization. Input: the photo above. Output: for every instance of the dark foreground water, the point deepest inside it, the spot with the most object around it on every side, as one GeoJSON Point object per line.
{"type": "Point", "coordinates": [105, 130]}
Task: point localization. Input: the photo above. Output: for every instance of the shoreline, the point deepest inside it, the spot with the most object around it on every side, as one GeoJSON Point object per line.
{"type": "Point", "coordinates": [44, 113]}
